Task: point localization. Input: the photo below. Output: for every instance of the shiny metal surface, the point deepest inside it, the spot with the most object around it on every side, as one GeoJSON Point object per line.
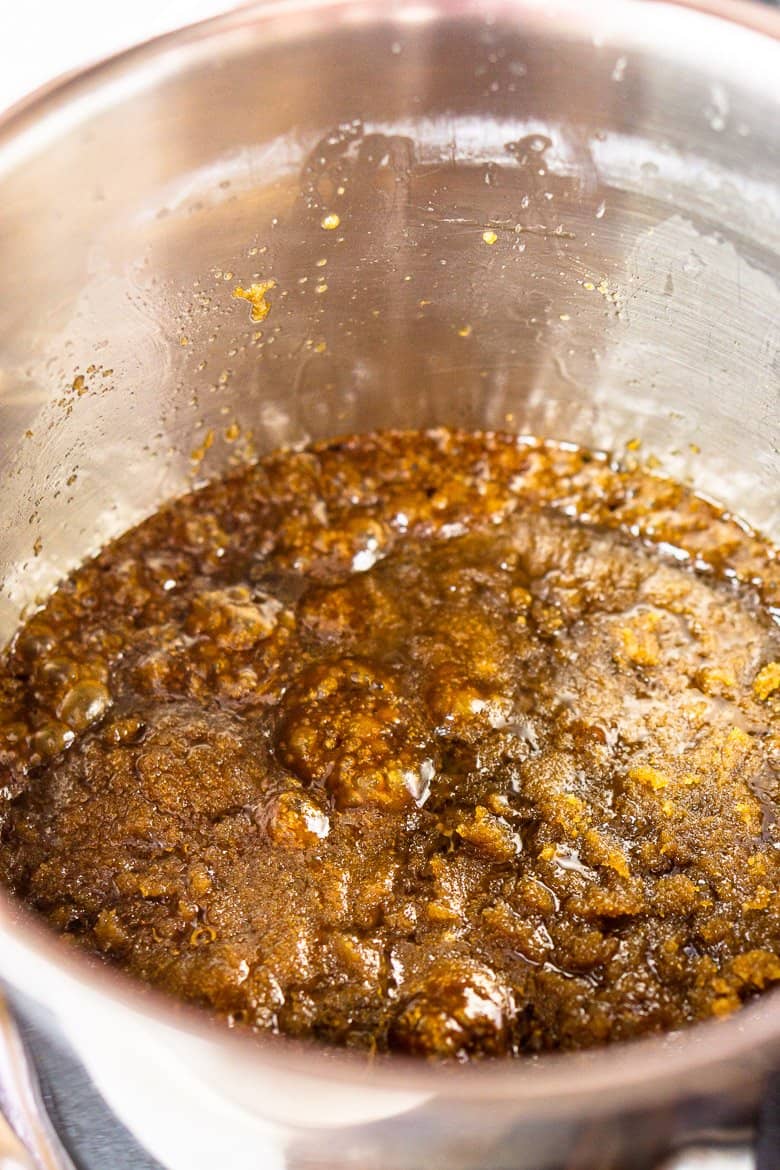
{"type": "Point", "coordinates": [625, 156]}
{"type": "Point", "coordinates": [13, 1156]}
{"type": "Point", "coordinates": [27, 1139]}
{"type": "Point", "coordinates": [710, 1158]}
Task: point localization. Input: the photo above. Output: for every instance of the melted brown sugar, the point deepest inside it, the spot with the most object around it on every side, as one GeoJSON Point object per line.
{"type": "Point", "coordinates": [437, 742]}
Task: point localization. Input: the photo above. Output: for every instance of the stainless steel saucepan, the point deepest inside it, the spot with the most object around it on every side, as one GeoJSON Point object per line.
{"type": "Point", "coordinates": [543, 215]}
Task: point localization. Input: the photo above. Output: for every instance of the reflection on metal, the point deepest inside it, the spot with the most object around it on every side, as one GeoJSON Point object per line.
{"type": "Point", "coordinates": [711, 1157]}
{"type": "Point", "coordinates": [27, 1139]}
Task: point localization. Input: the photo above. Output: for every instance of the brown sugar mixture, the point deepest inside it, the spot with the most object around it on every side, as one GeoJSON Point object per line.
{"type": "Point", "coordinates": [444, 743]}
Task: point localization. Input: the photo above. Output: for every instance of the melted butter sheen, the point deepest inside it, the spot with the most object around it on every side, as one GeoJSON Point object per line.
{"type": "Point", "coordinates": [404, 743]}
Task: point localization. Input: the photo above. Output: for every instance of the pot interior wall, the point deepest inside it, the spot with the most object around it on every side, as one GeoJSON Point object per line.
{"type": "Point", "coordinates": [546, 220]}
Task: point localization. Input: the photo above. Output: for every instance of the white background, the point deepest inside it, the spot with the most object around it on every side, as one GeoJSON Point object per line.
{"type": "Point", "coordinates": [40, 39]}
